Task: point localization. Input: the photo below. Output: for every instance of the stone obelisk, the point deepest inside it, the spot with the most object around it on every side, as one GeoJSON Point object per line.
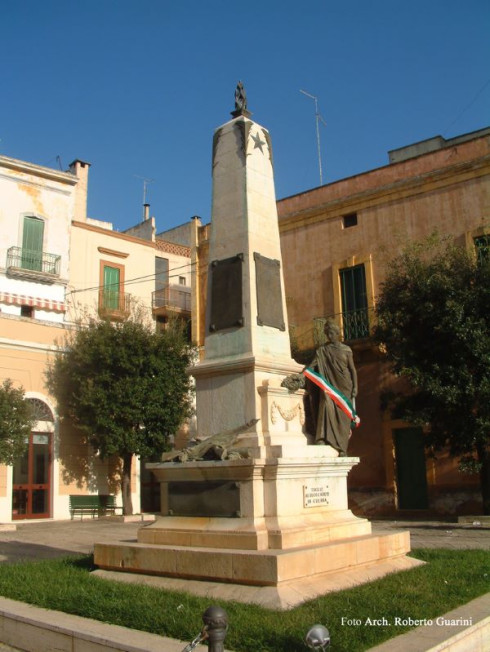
{"type": "Point", "coordinates": [274, 512]}
{"type": "Point", "coordinates": [247, 346]}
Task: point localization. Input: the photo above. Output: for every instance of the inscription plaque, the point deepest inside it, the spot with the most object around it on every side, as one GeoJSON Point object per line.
{"type": "Point", "coordinates": [214, 498]}
{"type": "Point", "coordinates": [269, 296]}
{"type": "Point", "coordinates": [226, 293]}
{"type": "Point", "coordinates": [316, 495]}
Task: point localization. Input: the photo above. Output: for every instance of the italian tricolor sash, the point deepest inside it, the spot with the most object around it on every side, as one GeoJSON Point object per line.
{"type": "Point", "coordinates": [337, 397]}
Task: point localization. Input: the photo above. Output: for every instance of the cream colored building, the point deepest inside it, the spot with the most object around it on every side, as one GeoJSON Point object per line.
{"type": "Point", "coordinates": [37, 205]}
{"type": "Point", "coordinates": [58, 266]}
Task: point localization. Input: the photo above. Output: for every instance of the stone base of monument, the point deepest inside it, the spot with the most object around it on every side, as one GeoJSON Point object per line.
{"type": "Point", "coordinates": [281, 525]}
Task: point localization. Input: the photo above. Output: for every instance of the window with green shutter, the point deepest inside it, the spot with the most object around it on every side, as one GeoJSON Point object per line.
{"type": "Point", "coordinates": [354, 302]}
{"type": "Point", "coordinates": [32, 243]}
{"type": "Point", "coordinates": [112, 287]}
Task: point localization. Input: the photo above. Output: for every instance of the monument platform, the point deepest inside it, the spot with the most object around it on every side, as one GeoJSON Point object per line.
{"type": "Point", "coordinates": [287, 535]}
{"type": "Point", "coordinates": [275, 579]}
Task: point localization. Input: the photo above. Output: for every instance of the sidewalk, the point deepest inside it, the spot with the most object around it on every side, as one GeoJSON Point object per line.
{"type": "Point", "coordinates": [50, 539]}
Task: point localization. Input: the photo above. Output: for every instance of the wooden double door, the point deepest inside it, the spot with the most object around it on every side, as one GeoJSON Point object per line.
{"type": "Point", "coordinates": [31, 491]}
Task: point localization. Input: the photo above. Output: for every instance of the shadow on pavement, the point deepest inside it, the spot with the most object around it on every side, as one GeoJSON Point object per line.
{"type": "Point", "coordinates": [12, 552]}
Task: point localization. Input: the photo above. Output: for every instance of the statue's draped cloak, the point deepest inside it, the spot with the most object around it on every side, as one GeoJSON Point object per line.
{"type": "Point", "coordinates": [334, 362]}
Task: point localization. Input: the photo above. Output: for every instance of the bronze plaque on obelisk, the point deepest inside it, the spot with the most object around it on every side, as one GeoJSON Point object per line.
{"type": "Point", "coordinates": [269, 297]}
{"type": "Point", "coordinates": [226, 293]}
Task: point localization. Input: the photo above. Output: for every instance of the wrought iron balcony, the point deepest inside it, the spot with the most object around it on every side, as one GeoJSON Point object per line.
{"type": "Point", "coordinates": [354, 325]}
{"type": "Point", "coordinates": [32, 264]}
{"type": "Point", "coordinates": [176, 298]}
{"type": "Point", "coordinates": [114, 304]}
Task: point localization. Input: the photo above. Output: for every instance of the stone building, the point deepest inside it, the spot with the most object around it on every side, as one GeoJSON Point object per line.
{"type": "Point", "coordinates": [337, 241]}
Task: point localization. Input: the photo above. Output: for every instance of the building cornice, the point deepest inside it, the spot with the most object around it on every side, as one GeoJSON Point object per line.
{"type": "Point", "coordinates": [384, 194]}
{"type": "Point", "coordinates": [113, 234]}
{"type": "Point", "coordinates": [38, 170]}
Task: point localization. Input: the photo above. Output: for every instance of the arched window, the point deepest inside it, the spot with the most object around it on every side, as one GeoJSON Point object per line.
{"type": "Point", "coordinates": [42, 411]}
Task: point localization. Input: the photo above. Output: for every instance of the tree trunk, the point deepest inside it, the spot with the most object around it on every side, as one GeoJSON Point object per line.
{"type": "Point", "coordinates": [126, 485]}
{"type": "Point", "coordinates": [484, 459]}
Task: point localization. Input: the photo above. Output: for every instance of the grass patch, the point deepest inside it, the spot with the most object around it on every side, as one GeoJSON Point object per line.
{"type": "Point", "coordinates": [449, 579]}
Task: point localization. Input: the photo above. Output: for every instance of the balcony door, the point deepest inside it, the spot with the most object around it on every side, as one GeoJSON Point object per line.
{"type": "Point", "coordinates": [354, 302]}
{"type": "Point", "coordinates": [32, 243]}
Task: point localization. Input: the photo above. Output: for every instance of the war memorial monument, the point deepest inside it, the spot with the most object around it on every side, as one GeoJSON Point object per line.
{"type": "Point", "coordinates": [254, 512]}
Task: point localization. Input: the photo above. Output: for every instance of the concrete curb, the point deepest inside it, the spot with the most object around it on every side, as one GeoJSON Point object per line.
{"type": "Point", "coordinates": [442, 635]}
{"type": "Point", "coordinates": [32, 629]}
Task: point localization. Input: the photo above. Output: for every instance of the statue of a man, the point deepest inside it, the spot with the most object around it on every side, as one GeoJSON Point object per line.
{"type": "Point", "coordinates": [334, 361]}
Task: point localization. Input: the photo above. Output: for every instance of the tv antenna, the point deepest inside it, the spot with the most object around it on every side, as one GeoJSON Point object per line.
{"type": "Point", "coordinates": [318, 119]}
{"type": "Point", "coordinates": [145, 186]}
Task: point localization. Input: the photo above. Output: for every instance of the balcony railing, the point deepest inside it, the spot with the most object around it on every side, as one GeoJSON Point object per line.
{"type": "Point", "coordinates": [173, 297]}
{"type": "Point", "coordinates": [354, 325]}
{"type": "Point", "coordinates": [25, 262]}
{"type": "Point", "coordinates": [114, 304]}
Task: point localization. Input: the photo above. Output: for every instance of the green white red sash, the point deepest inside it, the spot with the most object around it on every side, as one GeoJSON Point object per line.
{"type": "Point", "coordinates": [332, 392]}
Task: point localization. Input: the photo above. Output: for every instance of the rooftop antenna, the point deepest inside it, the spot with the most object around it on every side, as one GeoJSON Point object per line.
{"type": "Point", "coordinates": [146, 206]}
{"type": "Point", "coordinates": [145, 186]}
{"type": "Point", "coordinates": [318, 118]}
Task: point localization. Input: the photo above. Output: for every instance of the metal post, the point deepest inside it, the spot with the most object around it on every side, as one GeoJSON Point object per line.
{"type": "Point", "coordinates": [215, 620]}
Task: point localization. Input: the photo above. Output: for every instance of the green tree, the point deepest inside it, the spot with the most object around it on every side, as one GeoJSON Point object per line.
{"type": "Point", "coordinates": [126, 387]}
{"type": "Point", "coordinates": [433, 322]}
{"type": "Point", "coordinates": [16, 422]}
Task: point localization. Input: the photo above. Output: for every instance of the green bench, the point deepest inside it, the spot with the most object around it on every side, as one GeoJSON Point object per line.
{"type": "Point", "coordinates": [98, 505]}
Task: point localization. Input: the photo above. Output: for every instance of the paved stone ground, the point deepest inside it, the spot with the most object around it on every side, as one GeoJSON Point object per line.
{"type": "Point", "coordinates": [434, 534]}
{"type": "Point", "coordinates": [49, 539]}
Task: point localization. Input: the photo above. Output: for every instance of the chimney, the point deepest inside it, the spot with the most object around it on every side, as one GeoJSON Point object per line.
{"type": "Point", "coordinates": [80, 169]}
{"type": "Point", "coordinates": [146, 212]}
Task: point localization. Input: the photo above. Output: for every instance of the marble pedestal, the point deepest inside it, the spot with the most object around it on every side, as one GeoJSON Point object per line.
{"type": "Point", "coordinates": [291, 538]}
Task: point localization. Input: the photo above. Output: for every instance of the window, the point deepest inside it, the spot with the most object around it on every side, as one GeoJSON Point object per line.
{"type": "Point", "coordinates": [182, 280]}
{"type": "Point", "coordinates": [112, 300]}
{"type": "Point", "coordinates": [349, 220]}
{"type": "Point", "coordinates": [354, 302]}
{"type": "Point", "coordinates": [161, 273]}
{"type": "Point", "coordinates": [41, 411]}
{"type": "Point", "coordinates": [112, 287]}
{"type": "Point", "coordinates": [32, 243]}
{"type": "Point", "coordinates": [27, 311]}
{"type": "Point", "coordinates": [482, 245]}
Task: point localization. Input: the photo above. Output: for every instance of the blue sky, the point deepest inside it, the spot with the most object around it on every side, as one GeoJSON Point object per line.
{"type": "Point", "coordinates": [137, 88]}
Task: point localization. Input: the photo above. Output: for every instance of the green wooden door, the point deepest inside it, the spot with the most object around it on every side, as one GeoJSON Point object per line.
{"type": "Point", "coordinates": [410, 468]}
{"type": "Point", "coordinates": [32, 243]}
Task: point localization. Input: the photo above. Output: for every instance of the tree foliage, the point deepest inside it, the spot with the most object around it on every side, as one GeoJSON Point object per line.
{"type": "Point", "coordinates": [433, 322]}
{"type": "Point", "coordinates": [126, 387]}
{"type": "Point", "coordinates": [16, 422]}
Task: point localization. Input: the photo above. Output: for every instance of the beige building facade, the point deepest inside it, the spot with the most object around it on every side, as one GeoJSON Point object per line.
{"type": "Point", "coordinates": [337, 241]}
{"type": "Point", "coordinates": [57, 268]}
{"type": "Point", "coordinates": [36, 208]}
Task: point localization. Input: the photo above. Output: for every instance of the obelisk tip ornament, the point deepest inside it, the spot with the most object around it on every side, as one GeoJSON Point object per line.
{"type": "Point", "coordinates": [240, 102]}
